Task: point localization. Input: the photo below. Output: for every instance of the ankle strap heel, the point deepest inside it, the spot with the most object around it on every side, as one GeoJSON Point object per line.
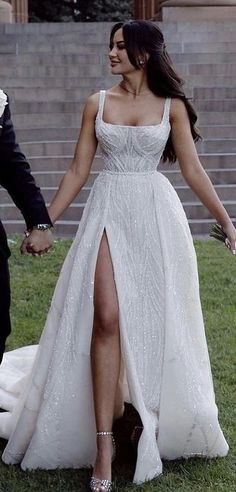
{"type": "Point", "coordinates": [105, 433]}
{"type": "Point", "coordinates": [109, 433]}
{"type": "Point", "coordinates": [97, 484]}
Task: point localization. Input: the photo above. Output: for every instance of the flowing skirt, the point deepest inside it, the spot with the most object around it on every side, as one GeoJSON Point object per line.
{"type": "Point", "coordinates": [50, 421]}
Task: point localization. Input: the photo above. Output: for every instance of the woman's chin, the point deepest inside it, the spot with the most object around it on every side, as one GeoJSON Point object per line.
{"type": "Point", "coordinates": [115, 70]}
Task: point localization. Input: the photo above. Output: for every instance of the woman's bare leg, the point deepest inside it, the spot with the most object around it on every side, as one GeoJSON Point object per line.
{"type": "Point", "coordinates": [105, 356]}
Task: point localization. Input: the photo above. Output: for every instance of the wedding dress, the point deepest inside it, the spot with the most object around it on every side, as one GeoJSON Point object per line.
{"type": "Point", "coordinates": [50, 420]}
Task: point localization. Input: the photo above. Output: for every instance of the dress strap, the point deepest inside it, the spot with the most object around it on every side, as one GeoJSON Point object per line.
{"type": "Point", "coordinates": [102, 96]}
{"type": "Point", "coordinates": [166, 114]}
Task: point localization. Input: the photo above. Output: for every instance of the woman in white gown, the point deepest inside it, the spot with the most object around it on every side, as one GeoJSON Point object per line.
{"type": "Point", "coordinates": [126, 314]}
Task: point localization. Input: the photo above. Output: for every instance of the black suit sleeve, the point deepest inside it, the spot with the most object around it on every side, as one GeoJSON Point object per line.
{"type": "Point", "coordinates": [16, 177]}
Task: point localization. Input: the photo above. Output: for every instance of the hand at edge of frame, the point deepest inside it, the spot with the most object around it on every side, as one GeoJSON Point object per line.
{"type": "Point", "coordinates": [230, 241]}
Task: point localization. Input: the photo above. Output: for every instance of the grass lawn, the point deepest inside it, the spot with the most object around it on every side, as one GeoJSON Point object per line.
{"type": "Point", "coordinates": [33, 281]}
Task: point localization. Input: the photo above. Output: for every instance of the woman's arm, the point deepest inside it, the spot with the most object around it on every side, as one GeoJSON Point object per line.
{"type": "Point", "coordinates": [77, 174]}
{"type": "Point", "coordinates": [193, 171]}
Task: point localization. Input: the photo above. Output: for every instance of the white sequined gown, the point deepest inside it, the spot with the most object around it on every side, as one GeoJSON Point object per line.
{"type": "Point", "coordinates": [162, 333]}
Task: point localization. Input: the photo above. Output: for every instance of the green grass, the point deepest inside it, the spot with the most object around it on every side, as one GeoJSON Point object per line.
{"type": "Point", "coordinates": [33, 281]}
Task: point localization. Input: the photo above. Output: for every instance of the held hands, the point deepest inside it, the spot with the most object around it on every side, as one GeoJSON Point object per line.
{"type": "Point", "coordinates": [37, 242]}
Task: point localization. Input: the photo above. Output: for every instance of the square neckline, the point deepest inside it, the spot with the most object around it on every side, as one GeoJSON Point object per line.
{"type": "Point", "coordinates": [101, 111]}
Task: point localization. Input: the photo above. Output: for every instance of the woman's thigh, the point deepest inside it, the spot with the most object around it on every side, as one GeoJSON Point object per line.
{"type": "Point", "coordinates": [106, 310]}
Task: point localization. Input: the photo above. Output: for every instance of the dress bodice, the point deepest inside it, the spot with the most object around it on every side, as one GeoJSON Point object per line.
{"type": "Point", "coordinates": [131, 148]}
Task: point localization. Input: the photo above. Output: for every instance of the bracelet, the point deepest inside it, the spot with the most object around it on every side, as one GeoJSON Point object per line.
{"type": "Point", "coordinates": [38, 227]}
{"type": "Point", "coordinates": [42, 227]}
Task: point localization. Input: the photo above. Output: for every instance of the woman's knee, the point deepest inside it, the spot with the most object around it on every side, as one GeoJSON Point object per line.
{"type": "Point", "coordinates": [106, 322]}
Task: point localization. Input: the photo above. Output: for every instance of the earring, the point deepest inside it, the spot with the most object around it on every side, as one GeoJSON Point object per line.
{"type": "Point", "coordinates": [141, 63]}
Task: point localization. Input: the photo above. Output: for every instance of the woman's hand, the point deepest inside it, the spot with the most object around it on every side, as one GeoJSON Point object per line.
{"type": "Point", "coordinates": [230, 241]}
{"type": "Point", "coordinates": [37, 242]}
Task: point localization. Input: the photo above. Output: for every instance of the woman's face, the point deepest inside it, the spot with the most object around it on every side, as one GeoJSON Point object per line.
{"type": "Point", "coordinates": [119, 60]}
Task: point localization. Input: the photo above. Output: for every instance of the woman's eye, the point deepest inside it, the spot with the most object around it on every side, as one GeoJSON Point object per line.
{"type": "Point", "coordinates": [121, 47]}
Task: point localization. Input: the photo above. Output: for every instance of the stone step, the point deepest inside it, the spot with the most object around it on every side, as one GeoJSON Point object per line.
{"type": "Point", "coordinates": [66, 147]}
{"type": "Point", "coordinates": [226, 193]}
{"type": "Point", "coordinates": [8, 47]}
{"type": "Point", "coordinates": [51, 107]}
{"type": "Point", "coordinates": [217, 176]}
{"type": "Point", "coordinates": [218, 131]}
{"type": "Point", "coordinates": [55, 28]}
{"type": "Point", "coordinates": [194, 211]}
{"type": "Point", "coordinates": [200, 228]}
{"type": "Point", "coordinates": [97, 36]}
{"type": "Point", "coordinates": [61, 163]}
{"type": "Point", "coordinates": [65, 228]}
{"type": "Point", "coordinates": [198, 25]}
{"type": "Point", "coordinates": [206, 69]}
{"type": "Point", "coordinates": [76, 48]}
{"type": "Point", "coordinates": [28, 59]}
{"type": "Point", "coordinates": [59, 28]}
{"type": "Point", "coordinates": [61, 229]}
{"type": "Point", "coordinates": [50, 180]}
{"type": "Point", "coordinates": [205, 47]}
{"type": "Point", "coordinates": [35, 71]}
{"type": "Point", "coordinates": [47, 148]}
{"type": "Point", "coordinates": [211, 105]}
{"type": "Point", "coordinates": [48, 192]}
{"type": "Point", "coordinates": [217, 146]}
{"type": "Point", "coordinates": [92, 84]}
{"type": "Point", "coordinates": [215, 117]}
{"type": "Point", "coordinates": [206, 81]}
{"type": "Point", "coordinates": [81, 93]}
{"type": "Point", "coordinates": [49, 119]}
{"type": "Point", "coordinates": [41, 134]}
{"type": "Point", "coordinates": [88, 44]}
{"type": "Point", "coordinates": [10, 212]}
{"type": "Point", "coordinates": [99, 82]}
{"type": "Point", "coordinates": [202, 58]}
{"type": "Point", "coordinates": [82, 48]}
{"type": "Point", "coordinates": [218, 93]}
{"type": "Point", "coordinates": [100, 68]}
{"type": "Point", "coordinates": [199, 11]}
{"type": "Point", "coordinates": [197, 211]}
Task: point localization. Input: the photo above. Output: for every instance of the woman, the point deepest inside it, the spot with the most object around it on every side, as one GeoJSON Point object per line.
{"type": "Point", "coordinates": [126, 307]}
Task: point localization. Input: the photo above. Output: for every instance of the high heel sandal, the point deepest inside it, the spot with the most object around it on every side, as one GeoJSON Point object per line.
{"type": "Point", "coordinates": [103, 485]}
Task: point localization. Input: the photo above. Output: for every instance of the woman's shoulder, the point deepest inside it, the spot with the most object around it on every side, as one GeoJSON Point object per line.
{"type": "Point", "coordinates": [93, 100]}
{"type": "Point", "coordinates": [92, 103]}
{"type": "Point", "coordinates": [177, 108]}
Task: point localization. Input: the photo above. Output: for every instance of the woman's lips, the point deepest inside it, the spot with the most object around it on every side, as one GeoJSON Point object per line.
{"type": "Point", "coordinates": [114, 63]}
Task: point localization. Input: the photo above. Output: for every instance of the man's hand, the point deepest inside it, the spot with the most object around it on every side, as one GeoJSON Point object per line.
{"type": "Point", "coordinates": [37, 243]}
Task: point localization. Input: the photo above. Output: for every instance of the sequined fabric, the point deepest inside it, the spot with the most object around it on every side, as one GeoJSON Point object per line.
{"type": "Point", "coordinates": [161, 326]}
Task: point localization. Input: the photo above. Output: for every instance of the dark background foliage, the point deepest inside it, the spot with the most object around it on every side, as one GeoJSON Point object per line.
{"type": "Point", "coordinates": [79, 10]}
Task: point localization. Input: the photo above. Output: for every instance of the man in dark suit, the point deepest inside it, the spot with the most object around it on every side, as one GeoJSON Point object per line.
{"type": "Point", "coordinates": [16, 178]}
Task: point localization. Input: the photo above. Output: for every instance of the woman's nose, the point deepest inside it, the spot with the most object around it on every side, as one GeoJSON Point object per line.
{"type": "Point", "coordinates": [113, 52]}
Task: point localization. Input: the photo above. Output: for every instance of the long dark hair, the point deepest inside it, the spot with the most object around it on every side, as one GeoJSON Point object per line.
{"type": "Point", "coordinates": [145, 38]}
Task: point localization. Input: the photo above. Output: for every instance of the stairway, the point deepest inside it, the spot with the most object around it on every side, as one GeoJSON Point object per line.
{"type": "Point", "coordinates": [48, 70]}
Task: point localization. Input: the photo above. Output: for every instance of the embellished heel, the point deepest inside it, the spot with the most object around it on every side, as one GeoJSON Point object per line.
{"type": "Point", "coordinates": [97, 485]}
{"type": "Point", "coordinates": [103, 485]}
